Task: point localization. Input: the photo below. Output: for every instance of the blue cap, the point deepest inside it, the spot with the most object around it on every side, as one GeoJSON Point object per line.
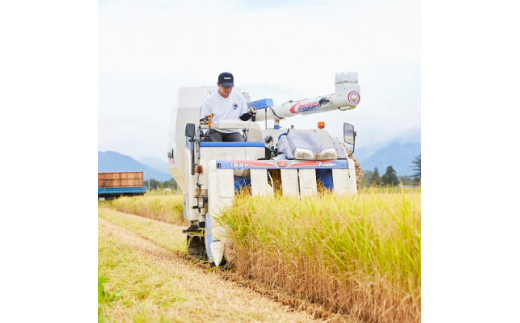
{"type": "Point", "coordinates": [226, 79]}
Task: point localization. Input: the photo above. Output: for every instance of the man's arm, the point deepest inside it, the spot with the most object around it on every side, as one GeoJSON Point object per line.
{"type": "Point", "coordinates": [246, 116]}
{"type": "Point", "coordinates": [246, 113]}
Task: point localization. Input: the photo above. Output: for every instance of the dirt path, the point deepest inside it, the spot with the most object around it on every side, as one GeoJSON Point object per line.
{"type": "Point", "coordinates": [201, 296]}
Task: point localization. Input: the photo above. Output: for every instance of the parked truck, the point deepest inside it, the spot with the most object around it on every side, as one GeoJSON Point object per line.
{"type": "Point", "coordinates": [210, 173]}
{"type": "Point", "coordinates": [115, 184]}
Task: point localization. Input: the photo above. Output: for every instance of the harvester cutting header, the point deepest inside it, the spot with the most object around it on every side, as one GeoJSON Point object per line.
{"type": "Point", "coordinates": [209, 173]}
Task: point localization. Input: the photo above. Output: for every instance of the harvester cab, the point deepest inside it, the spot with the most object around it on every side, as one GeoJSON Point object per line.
{"type": "Point", "coordinates": [211, 173]}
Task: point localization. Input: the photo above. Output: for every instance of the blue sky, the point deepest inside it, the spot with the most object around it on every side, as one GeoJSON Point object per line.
{"type": "Point", "coordinates": [284, 50]}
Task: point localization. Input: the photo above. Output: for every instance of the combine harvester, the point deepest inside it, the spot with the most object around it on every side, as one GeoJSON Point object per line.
{"type": "Point", "coordinates": [210, 173]}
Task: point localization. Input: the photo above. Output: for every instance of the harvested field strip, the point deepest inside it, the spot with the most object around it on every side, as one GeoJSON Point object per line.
{"type": "Point", "coordinates": [166, 208]}
{"type": "Point", "coordinates": [358, 255]}
{"type": "Point", "coordinates": [135, 224]}
{"type": "Point", "coordinates": [167, 236]}
{"type": "Point", "coordinates": [153, 285]}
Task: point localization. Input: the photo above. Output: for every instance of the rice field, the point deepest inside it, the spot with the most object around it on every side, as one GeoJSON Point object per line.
{"type": "Point", "coordinates": [356, 255]}
{"type": "Point", "coordinates": [163, 207]}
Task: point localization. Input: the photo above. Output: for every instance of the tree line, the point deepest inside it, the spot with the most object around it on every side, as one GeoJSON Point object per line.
{"type": "Point", "coordinates": [390, 178]}
{"type": "Point", "coordinates": [152, 184]}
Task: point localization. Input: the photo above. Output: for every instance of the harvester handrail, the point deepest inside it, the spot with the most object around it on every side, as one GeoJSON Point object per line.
{"type": "Point", "coordinates": [254, 130]}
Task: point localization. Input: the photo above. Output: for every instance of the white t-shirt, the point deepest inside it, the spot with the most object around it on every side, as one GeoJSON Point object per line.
{"type": "Point", "coordinates": [230, 108]}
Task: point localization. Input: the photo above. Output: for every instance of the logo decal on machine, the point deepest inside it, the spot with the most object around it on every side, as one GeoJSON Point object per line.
{"type": "Point", "coordinates": [353, 98]}
{"type": "Point", "coordinates": [282, 163]}
{"type": "Point", "coordinates": [326, 164]}
{"type": "Point", "coordinates": [240, 163]}
{"type": "Point", "coordinates": [314, 164]}
{"type": "Point", "coordinates": [303, 107]}
{"type": "Point", "coordinates": [279, 164]}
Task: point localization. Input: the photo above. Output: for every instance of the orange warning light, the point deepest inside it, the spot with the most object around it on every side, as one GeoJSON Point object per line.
{"type": "Point", "coordinates": [321, 124]}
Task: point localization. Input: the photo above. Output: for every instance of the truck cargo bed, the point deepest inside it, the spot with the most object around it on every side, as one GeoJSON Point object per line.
{"type": "Point", "coordinates": [120, 179]}
{"type": "Point", "coordinates": [116, 184]}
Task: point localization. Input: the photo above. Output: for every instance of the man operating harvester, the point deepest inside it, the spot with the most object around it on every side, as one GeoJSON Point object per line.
{"type": "Point", "coordinates": [226, 104]}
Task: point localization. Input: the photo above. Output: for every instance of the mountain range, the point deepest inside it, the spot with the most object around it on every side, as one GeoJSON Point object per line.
{"type": "Point", "coordinates": [154, 162]}
{"type": "Point", "coordinates": [398, 152]}
{"type": "Point", "coordinates": [110, 161]}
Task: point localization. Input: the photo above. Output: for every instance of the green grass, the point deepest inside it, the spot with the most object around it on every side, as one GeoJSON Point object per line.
{"type": "Point", "coordinates": [130, 288]}
{"type": "Point", "coordinates": [168, 237]}
{"type": "Point", "coordinates": [141, 281]}
{"type": "Point", "coordinates": [105, 297]}
{"type": "Point", "coordinates": [162, 192]}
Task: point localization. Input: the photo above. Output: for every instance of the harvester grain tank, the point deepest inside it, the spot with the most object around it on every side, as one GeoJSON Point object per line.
{"type": "Point", "coordinates": [210, 173]}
